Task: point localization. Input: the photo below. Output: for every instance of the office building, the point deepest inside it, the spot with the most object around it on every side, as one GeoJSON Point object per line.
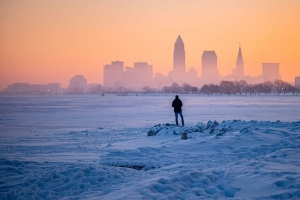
{"type": "Point", "coordinates": [297, 82]}
{"type": "Point", "coordinates": [112, 74]}
{"type": "Point", "coordinates": [144, 74]}
{"type": "Point", "coordinates": [78, 85]}
{"type": "Point", "coordinates": [270, 71]}
{"type": "Point", "coordinates": [210, 73]}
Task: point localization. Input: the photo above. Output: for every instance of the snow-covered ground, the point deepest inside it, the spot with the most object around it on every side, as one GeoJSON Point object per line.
{"type": "Point", "coordinates": [93, 147]}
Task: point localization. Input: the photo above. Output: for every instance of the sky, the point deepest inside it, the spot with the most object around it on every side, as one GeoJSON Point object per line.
{"type": "Point", "coordinates": [52, 41]}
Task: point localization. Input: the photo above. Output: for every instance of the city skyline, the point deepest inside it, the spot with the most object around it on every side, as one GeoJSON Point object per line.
{"type": "Point", "coordinates": [44, 42]}
{"type": "Point", "coordinates": [141, 75]}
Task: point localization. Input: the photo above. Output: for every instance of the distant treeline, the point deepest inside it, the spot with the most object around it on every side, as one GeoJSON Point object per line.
{"type": "Point", "coordinates": [233, 87]}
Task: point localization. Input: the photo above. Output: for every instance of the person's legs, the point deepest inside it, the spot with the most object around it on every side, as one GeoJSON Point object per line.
{"type": "Point", "coordinates": [182, 121]}
{"type": "Point", "coordinates": [176, 118]}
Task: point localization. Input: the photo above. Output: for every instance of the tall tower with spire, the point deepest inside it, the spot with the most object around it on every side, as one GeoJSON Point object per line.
{"type": "Point", "coordinates": [240, 65]}
{"type": "Point", "coordinates": [179, 57]}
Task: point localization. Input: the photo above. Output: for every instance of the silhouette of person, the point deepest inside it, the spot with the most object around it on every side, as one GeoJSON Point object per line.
{"type": "Point", "coordinates": [177, 104]}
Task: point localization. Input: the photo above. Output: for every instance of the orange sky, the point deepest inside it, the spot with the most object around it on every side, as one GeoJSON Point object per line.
{"type": "Point", "coordinates": [51, 41]}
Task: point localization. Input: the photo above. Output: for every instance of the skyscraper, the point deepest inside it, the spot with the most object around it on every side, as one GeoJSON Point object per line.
{"type": "Point", "coordinates": [239, 66]}
{"type": "Point", "coordinates": [129, 78]}
{"type": "Point", "coordinates": [179, 57]}
{"type": "Point", "coordinates": [210, 73]}
{"type": "Point", "coordinates": [270, 71]}
{"type": "Point", "coordinates": [144, 74]}
{"type": "Point", "coordinates": [297, 82]}
{"type": "Point", "coordinates": [112, 74]}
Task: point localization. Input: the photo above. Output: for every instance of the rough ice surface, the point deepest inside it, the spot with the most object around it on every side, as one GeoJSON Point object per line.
{"type": "Point", "coordinates": [127, 147]}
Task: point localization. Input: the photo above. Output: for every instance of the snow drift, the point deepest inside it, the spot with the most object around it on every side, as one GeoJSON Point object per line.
{"type": "Point", "coordinates": [230, 159]}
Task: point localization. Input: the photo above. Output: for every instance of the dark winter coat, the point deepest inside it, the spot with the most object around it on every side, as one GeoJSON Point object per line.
{"type": "Point", "coordinates": [177, 104]}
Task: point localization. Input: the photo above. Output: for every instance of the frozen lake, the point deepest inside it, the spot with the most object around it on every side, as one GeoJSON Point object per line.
{"type": "Point", "coordinates": [81, 146]}
{"type": "Point", "coordinates": [55, 112]}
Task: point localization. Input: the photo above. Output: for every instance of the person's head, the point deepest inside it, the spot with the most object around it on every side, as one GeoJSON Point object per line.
{"type": "Point", "coordinates": [176, 97]}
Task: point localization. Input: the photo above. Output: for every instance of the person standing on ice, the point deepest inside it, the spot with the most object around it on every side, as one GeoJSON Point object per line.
{"type": "Point", "coordinates": [177, 104]}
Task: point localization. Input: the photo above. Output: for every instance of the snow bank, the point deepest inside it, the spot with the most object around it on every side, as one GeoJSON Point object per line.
{"type": "Point", "coordinates": [215, 128]}
{"type": "Point", "coordinates": [229, 159]}
{"type": "Point", "coordinates": [184, 184]}
{"type": "Point", "coordinates": [32, 180]}
{"type": "Point", "coordinates": [189, 132]}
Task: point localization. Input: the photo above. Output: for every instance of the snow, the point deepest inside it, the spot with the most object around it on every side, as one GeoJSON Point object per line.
{"type": "Point", "coordinates": [127, 147]}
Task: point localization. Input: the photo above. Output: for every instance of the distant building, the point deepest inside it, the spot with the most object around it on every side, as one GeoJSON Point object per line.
{"type": "Point", "coordinates": [159, 80]}
{"type": "Point", "coordinates": [178, 74]}
{"type": "Point", "coordinates": [210, 73]}
{"type": "Point", "coordinates": [94, 88]}
{"type": "Point", "coordinates": [253, 79]}
{"type": "Point", "coordinates": [179, 57]}
{"type": "Point", "coordinates": [192, 75]}
{"type": "Point", "coordinates": [78, 85]}
{"type": "Point", "coordinates": [297, 82]}
{"type": "Point", "coordinates": [112, 74]}
{"type": "Point", "coordinates": [129, 78]}
{"type": "Point", "coordinates": [270, 71]}
{"type": "Point", "coordinates": [144, 74]}
{"type": "Point", "coordinates": [139, 76]}
{"type": "Point", "coordinates": [36, 89]}
{"type": "Point", "coordinates": [239, 71]}
{"type": "Point", "coordinates": [19, 88]}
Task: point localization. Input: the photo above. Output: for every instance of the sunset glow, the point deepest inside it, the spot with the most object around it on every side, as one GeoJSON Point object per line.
{"type": "Point", "coordinates": [51, 41]}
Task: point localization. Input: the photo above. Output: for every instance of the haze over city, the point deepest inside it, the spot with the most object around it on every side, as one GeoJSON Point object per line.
{"type": "Point", "coordinates": [149, 99]}
{"type": "Point", "coordinates": [51, 41]}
